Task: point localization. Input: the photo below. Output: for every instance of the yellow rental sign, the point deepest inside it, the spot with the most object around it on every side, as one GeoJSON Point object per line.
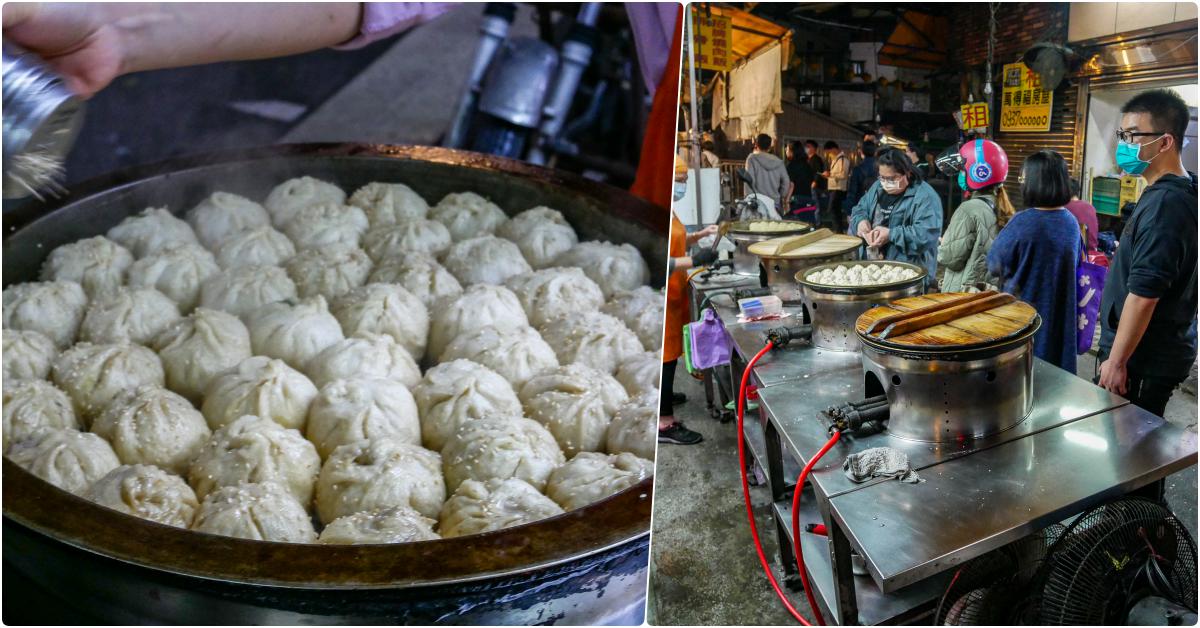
{"type": "Point", "coordinates": [975, 116]}
{"type": "Point", "coordinates": [714, 41]}
{"type": "Point", "coordinates": [1024, 105]}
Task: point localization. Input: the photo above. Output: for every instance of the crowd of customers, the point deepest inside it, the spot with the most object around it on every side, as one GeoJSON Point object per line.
{"type": "Point", "coordinates": [1147, 339]}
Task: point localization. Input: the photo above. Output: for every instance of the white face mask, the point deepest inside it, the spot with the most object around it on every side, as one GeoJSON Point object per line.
{"type": "Point", "coordinates": [680, 190]}
{"type": "Point", "coordinates": [892, 187]}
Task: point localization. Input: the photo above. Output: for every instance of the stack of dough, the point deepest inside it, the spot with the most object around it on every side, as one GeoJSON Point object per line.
{"type": "Point", "coordinates": [334, 368]}
{"type": "Point", "coordinates": [871, 274]}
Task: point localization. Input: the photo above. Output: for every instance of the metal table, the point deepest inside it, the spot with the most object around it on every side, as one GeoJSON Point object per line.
{"type": "Point", "coordinates": [1079, 447]}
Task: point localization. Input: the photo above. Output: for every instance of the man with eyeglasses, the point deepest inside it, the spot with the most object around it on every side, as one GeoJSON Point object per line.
{"type": "Point", "coordinates": [1149, 299]}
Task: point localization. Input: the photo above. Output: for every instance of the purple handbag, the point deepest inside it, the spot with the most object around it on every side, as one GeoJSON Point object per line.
{"type": "Point", "coordinates": [711, 345]}
{"type": "Point", "coordinates": [1089, 284]}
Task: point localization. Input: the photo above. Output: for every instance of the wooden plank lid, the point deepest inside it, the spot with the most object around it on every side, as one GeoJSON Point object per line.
{"type": "Point", "coordinates": [947, 321]}
{"type": "Point", "coordinates": [816, 244]}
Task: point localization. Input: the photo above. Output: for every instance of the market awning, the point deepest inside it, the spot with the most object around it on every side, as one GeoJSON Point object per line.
{"type": "Point", "coordinates": [750, 33]}
{"type": "Point", "coordinates": [919, 41]}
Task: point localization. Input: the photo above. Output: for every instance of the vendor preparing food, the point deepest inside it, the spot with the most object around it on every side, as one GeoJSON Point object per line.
{"type": "Point", "coordinates": [900, 216]}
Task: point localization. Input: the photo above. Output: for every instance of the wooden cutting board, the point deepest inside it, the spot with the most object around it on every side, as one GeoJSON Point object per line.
{"type": "Point", "coordinates": [947, 320]}
{"type": "Point", "coordinates": [819, 243]}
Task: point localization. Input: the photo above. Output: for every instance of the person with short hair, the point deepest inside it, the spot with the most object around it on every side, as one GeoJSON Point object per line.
{"type": "Point", "coordinates": [863, 175]}
{"type": "Point", "coordinates": [768, 175]}
{"type": "Point", "coordinates": [817, 165]}
{"type": "Point", "coordinates": [900, 216]}
{"type": "Point", "coordinates": [1085, 214]}
{"type": "Point", "coordinates": [837, 175]}
{"type": "Point", "coordinates": [708, 155]}
{"type": "Point", "coordinates": [800, 172]}
{"type": "Point", "coordinates": [1036, 255]}
{"type": "Point", "coordinates": [1148, 308]}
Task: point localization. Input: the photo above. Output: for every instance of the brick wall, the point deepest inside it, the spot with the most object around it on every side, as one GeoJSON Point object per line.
{"type": "Point", "coordinates": [1019, 25]}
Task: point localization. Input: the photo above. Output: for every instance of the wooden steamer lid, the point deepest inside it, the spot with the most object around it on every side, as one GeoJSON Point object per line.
{"type": "Point", "coordinates": [818, 244]}
{"type": "Point", "coordinates": [948, 322]}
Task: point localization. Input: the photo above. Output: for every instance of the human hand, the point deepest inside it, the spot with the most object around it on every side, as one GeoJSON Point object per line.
{"type": "Point", "coordinates": [880, 236]}
{"type": "Point", "coordinates": [1113, 377]}
{"type": "Point", "coordinates": [705, 232]}
{"type": "Point", "coordinates": [864, 230]}
{"type": "Point", "coordinates": [78, 41]}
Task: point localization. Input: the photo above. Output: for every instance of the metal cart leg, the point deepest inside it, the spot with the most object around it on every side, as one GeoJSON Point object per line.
{"type": "Point", "coordinates": [780, 489]}
{"type": "Point", "coordinates": [843, 577]}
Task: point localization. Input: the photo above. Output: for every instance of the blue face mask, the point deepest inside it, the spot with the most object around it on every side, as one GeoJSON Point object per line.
{"type": "Point", "coordinates": [680, 190]}
{"type": "Point", "coordinates": [1129, 157]}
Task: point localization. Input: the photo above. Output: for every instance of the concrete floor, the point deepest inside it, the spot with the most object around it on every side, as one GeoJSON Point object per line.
{"type": "Point", "coordinates": [703, 566]}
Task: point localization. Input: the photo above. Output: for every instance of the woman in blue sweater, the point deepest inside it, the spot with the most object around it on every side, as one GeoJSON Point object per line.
{"type": "Point", "coordinates": [1036, 254]}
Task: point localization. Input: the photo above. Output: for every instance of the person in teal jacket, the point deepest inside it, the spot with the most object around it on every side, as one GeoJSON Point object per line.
{"type": "Point", "coordinates": [900, 216]}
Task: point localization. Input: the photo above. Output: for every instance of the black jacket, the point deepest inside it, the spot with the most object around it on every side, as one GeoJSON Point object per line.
{"type": "Point", "coordinates": [1156, 258]}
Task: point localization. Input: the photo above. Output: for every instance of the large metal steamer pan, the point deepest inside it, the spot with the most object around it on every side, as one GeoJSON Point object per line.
{"type": "Point", "coordinates": [954, 394]}
{"type": "Point", "coordinates": [745, 262]}
{"type": "Point", "coordinates": [588, 566]}
{"type": "Point", "coordinates": [781, 273]}
{"type": "Point", "coordinates": [835, 309]}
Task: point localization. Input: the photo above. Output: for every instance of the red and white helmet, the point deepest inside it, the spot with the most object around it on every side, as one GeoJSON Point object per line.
{"type": "Point", "coordinates": [984, 164]}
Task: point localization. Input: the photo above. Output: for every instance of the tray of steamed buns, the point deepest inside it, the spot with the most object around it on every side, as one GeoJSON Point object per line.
{"type": "Point", "coordinates": [365, 355]}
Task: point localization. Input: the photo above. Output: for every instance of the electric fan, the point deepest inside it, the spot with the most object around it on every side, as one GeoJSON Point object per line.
{"type": "Point", "coordinates": [1118, 563]}
{"type": "Point", "coordinates": [993, 589]}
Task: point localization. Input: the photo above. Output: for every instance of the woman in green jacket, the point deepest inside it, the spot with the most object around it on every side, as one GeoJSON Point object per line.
{"type": "Point", "coordinates": [962, 255]}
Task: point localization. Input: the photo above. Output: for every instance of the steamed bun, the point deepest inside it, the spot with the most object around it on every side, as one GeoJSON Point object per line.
{"type": "Point", "coordinates": [634, 428]}
{"type": "Point", "coordinates": [389, 203]}
{"type": "Point", "coordinates": [591, 338]}
{"type": "Point", "coordinates": [478, 507]}
{"type": "Point", "coordinates": [33, 405]}
{"type": "Point", "coordinates": [94, 374]}
{"type": "Point", "coordinates": [556, 292]}
{"type": "Point", "coordinates": [255, 246]}
{"type": "Point", "coordinates": [500, 447]}
{"type": "Point", "coordinates": [98, 264]}
{"type": "Point", "coordinates": [260, 512]}
{"type": "Point", "coordinates": [642, 310]}
{"type": "Point", "coordinates": [196, 349]}
{"type": "Point", "coordinates": [399, 524]}
{"type": "Point", "coordinates": [53, 308]}
{"type": "Point", "coordinates": [293, 333]}
{"type": "Point", "coordinates": [261, 387]}
{"type": "Point", "coordinates": [590, 477]}
{"type": "Point", "coordinates": [541, 233]}
{"type": "Point", "coordinates": [350, 410]}
{"type": "Point", "coordinates": [485, 259]}
{"type": "Point", "coordinates": [365, 355]}
{"type": "Point", "coordinates": [293, 195]}
{"type": "Point", "coordinates": [516, 354]}
{"type": "Point", "coordinates": [380, 473]}
{"type": "Point", "coordinates": [254, 450]}
{"type": "Point", "coordinates": [148, 492]}
{"type": "Point", "coordinates": [27, 355]}
{"type": "Point", "coordinates": [68, 459]}
{"type": "Point", "coordinates": [453, 393]}
{"type": "Point", "coordinates": [387, 309]}
{"type": "Point", "coordinates": [151, 231]}
{"type": "Point", "coordinates": [575, 403]}
{"type": "Point", "coordinates": [245, 289]}
{"type": "Point", "coordinates": [327, 225]}
{"type": "Point", "coordinates": [328, 272]}
{"type": "Point", "coordinates": [223, 214]}
{"type": "Point", "coordinates": [479, 306]}
{"type": "Point", "coordinates": [420, 274]}
{"type": "Point", "coordinates": [177, 271]}
{"type": "Point", "coordinates": [613, 267]}
{"type": "Point", "coordinates": [468, 215]}
{"type": "Point", "coordinates": [128, 315]}
{"type": "Point", "coordinates": [641, 373]}
{"type": "Point", "coordinates": [152, 425]}
{"type": "Point", "coordinates": [410, 237]}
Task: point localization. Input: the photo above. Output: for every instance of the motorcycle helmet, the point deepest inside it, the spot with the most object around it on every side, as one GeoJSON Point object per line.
{"type": "Point", "coordinates": [984, 164]}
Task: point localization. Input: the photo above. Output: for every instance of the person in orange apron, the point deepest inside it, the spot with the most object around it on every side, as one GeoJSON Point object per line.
{"type": "Point", "coordinates": [678, 265]}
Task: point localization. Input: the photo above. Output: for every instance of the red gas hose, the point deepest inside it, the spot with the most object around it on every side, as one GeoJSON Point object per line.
{"type": "Point", "coordinates": [796, 520]}
{"type": "Point", "coordinates": [762, 558]}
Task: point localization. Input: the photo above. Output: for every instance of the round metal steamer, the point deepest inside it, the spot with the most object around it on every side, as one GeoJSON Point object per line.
{"type": "Point", "coordinates": [782, 269]}
{"type": "Point", "coordinates": [835, 309]}
{"type": "Point", "coordinates": [956, 380]}
{"type": "Point", "coordinates": [745, 262]}
{"type": "Point", "coordinates": [587, 566]}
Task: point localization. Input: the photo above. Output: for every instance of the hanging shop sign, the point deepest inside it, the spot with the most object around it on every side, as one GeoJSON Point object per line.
{"type": "Point", "coordinates": [975, 115]}
{"type": "Point", "coordinates": [1024, 105]}
{"type": "Point", "coordinates": [713, 41]}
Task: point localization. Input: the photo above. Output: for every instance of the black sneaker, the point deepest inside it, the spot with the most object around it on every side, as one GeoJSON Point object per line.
{"type": "Point", "coordinates": [677, 434]}
{"type": "Point", "coordinates": [678, 399]}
